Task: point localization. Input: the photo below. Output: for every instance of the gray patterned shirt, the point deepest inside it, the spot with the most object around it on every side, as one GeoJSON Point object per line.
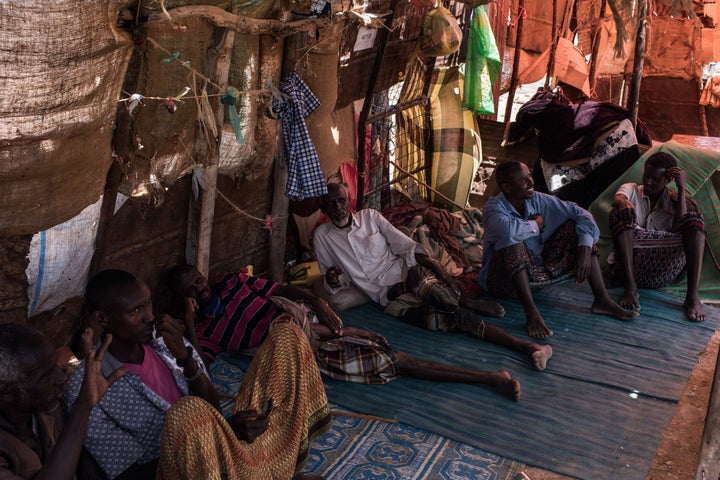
{"type": "Point", "coordinates": [125, 426]}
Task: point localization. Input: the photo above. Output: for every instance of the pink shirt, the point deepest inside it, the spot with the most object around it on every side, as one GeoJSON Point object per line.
{"type": "Point", "coordinates": [156, 375]}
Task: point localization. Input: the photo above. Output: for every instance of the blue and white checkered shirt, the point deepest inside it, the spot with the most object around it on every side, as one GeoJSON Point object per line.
{"type": "Point", "coordinates": [305, 177]}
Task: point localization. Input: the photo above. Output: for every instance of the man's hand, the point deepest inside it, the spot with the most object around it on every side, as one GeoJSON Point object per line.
{"type": "Point", "coordinates": [625, 209]}
{"type": "Point", "coordinates": [678, 175]}
{"type": "Point", "coordinates": [250, 424]}
{"type": "Point", "coordinates": [191, 307]}
{"type": "Point", "coordinates": [327, 316]}
{"type": "Point", "coordinates": [332, 277]}
{"type": "Point", "coordinates": [583, 264]}
{"type": "Point", "coordinates": [95, 385]}
{"type": "Point", "coordinates": [438, 270]}
{"type": "Point", "coordinates": [171, 330]}
{"type": "Point", "coordinates": [540, 220]}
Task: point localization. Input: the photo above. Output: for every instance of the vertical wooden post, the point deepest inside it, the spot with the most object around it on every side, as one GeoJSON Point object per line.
{"type": "Point", "coordinates": [709, 461]}
{"type": "Point", "coordinates": [499, 28]}
{"type": "Point", "coordinates": [597, 31]}
{"type": "Point", "coordinates": [219, 59]}
{"type": "Point", "coordinates": [634, 95]}
{"type": "Point", "coordinates": [703, 112]}
{"type": "Point", "coordinates": [516, 62]}
{"type": "Point", "coordinates": [367, 104]}
{"type": "Point", "coordinates": [280, 203]}
{"type": "Point", "coordinates": [555, 38]}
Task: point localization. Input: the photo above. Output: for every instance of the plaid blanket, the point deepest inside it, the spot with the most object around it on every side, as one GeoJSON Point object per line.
{"type": "Point", "coordinates": [456, 150]}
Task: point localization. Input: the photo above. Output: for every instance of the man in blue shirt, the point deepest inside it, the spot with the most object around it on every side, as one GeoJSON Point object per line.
{"type": "Point", "coordinates": [534, 239]}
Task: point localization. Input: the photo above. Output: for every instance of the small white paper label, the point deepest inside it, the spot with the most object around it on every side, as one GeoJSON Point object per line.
{"type": "Point", "coordinates": [365, 38]}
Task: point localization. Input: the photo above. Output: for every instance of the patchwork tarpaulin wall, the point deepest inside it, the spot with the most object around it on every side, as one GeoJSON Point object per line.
{"type": "Point", "coordinates": [63, 68]}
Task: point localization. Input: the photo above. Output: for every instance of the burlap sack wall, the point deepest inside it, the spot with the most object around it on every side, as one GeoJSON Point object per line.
{"type": "Point", "coordinates": [63, 68]}
{"type": "Point", "coordinates": [673, 48]}
{"type": "Point", "coordinates": [256, 61]}
{"type": "Point", "coordinates": [332, 131]}
{"type": "Point", "coordinates": [537, 26]}
{"type": "Point", "coordinates": [163, 142]}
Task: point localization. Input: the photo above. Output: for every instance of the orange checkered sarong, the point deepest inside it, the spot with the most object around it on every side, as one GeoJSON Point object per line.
{"type": "Point", "coordinates": [197, 442]}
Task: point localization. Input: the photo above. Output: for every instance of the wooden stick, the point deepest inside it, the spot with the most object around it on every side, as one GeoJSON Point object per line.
{"type": "Point", "coordinates": [555, 38]}
{"type": "Point", "coordinates": [709, 462]}
{"type": "Point", "coordinates": [208, 152]}
{"type": "Point", "coordinates": [367, 104]}
{"type": "Point", "coordinates": [362, 415]}
{"type": "Point", "coordinates": [597, 32]}
{"type": "Point", "coordinates": [241, 24]}
{"type": "Point", "coordinates": [634, 96]}
{"type": "Point", "coordinates": [425, 184]}
{"type": "Point", "coordinates": [516, 62]}
{"type": "Point", "coordinates": [280, 202]}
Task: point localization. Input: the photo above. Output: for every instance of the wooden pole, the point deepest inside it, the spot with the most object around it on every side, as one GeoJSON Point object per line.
{"type": "Point", "coordinates": [703, 113]}
{"type": "Point", "coordinates": [426, 185]}
{"type": "Point", "coordinates": [597, 30]}
{"type": "Point", "coordinates": [516, 62]}
{"type": "Point", "coordinates": [499, 28]}
{"type": "Point", "coordinates": [634, 96]}
{"type": "Point", "coordinates": [384, 33]}
{"type": "Point", "coordinates": [207, 152]}
{"type": "Point", "coordinates": [709, 461]}
{"type": "Point", "coordinates": [553, 47]}
{"type": "Point", "coordinates": [280, 202]}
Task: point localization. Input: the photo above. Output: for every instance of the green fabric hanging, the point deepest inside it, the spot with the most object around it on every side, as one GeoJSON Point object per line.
{"type": "Point", "coordinates": [230, 99]}
{"type": "Point", "coordinates": [482, 64]}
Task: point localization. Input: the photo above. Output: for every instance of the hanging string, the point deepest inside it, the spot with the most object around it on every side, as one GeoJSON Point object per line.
{"type": "Point", "coordinates": [501, 14]}
{"type": "Point", "coordinates": [267, 221]}
{"type": "Point", "coordinates": [139, 97]}
{"type": "Point", "coordinates": [200, 180]}
{"type": "Point", "coordinates": [173, 57]}
{"type": "Point", "coordinates": [230, 99]}
{"type": "Point", "coordinates": [136, 99]}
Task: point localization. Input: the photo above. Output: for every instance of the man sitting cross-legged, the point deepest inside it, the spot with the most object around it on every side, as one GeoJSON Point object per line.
{"type": "Point", "coordinates": [534, 239]}
{"type": "Point", "coordinates": [161, 418]}
{"type": "Point", "coordinates": [365, 253]}
{"type": "Point", "coordinates": [656, 233]}
{"type": "Point", "coordinates": [350, 355]}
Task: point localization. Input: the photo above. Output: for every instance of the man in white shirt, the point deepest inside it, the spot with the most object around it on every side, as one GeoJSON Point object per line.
{"type": "Point", "coordinates": [657, 232]}
{"type": "Point", "coordinates": [364, 257]}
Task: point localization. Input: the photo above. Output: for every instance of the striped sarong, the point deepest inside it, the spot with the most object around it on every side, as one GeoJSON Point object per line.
{"type": "Point", "coordinates": [197, 443]}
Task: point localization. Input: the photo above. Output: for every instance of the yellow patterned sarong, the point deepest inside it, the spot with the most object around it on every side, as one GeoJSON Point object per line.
{"type": "Point", "coordinates": [198, 443]}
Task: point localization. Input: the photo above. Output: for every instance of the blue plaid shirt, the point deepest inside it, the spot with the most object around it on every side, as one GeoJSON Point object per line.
{"type": "Point", "coordinates": [305, 178]}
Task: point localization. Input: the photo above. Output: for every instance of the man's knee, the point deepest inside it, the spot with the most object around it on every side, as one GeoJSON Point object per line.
{"type": "Point", "coordinates": [691, 224]}
{"type": "Point", "coordinates": [342, 300]}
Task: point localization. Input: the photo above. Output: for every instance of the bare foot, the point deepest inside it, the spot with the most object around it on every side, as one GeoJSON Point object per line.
{"type": "Point", "coordinates": [507, 385]}
{"type": "Point", "coordinates": [541, 356]}
{"type": "Point", "coordinates": [535, 325]}
{"type": "Point", "coordinates": [485, 307]}
{"type": "Point", "coordinates": [695, 310]}
{"type": "Point", "coordinates": [630, 300]}
{"type": "Point", "coordinates": [607, 306]}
